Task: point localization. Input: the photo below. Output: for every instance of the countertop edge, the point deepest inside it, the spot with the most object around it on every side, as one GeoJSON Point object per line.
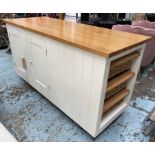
{"type": "Point", "coordinates": [94, 51]}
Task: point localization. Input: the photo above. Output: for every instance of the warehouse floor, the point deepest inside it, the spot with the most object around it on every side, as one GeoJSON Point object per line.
{"type": "Point", "coordinates": [31, 117]}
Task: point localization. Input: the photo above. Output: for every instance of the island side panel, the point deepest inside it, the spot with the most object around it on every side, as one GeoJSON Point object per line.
{"type": "Point", "coordinates": [76, 79]}
{"type": "Point", "coordinates": [104, 122]}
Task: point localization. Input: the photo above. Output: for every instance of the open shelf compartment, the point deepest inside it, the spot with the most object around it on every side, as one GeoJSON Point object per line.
{"type": "Point", "coordinates": [117, 90]}
{"type": "Point", "coordinates": [110, 116]}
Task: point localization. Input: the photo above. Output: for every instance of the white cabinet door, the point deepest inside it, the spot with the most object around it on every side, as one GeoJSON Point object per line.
{"type": "Point", "coordinates": [38, 62]}
{"type": "Point", "coordinates": [19, 51]}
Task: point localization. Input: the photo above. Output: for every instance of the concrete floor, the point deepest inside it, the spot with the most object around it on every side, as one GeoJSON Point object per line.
{"type": "Point", "coordinates": [31, 117]}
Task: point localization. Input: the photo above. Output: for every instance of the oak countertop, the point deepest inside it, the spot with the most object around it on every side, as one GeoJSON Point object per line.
{"type": "Point", "coordinates": [101, 41]}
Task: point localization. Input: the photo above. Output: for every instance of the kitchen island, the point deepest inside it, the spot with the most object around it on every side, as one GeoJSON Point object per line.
{"type": "Point", "coordinates": [87, 72]}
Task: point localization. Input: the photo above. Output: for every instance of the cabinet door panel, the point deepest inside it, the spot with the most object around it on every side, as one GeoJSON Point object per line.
{"type": "Point", "coordinates": [38, 61]}
{"type": "Point", "coordinates": [18, 48]}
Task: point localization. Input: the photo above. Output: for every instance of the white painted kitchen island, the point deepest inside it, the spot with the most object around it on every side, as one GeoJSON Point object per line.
{"type": "Point", "coordinates": [87, 72]}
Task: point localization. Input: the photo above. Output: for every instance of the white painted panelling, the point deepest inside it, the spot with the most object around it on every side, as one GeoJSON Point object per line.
{"type": "Point", "coordinates": [73, 79]}
{"type": "Point", "coordinates": [38, 62]}
{"type": "Point", "coordinates": [77, 83]}
{"type": "Point", "coordinates": [80, 76]}
{"type": "Point", "coordinates": [17, 46]}
{"type": "Point", "coordinates": [99, 84]}
{"type": "Point", "coordinates": [88, 60]}
{"type": "Point", "coordinates": [19, 50]}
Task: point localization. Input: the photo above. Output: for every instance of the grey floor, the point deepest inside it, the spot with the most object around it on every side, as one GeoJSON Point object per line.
{"type": "Point", "coordinates": [31, 117]}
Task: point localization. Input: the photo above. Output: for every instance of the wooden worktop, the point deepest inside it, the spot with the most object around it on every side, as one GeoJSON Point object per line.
{"type": "Point", "coordinates": [101, 41]}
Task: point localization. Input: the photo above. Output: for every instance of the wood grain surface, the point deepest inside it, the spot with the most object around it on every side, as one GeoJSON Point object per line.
{"type": "Point", "coordinates": [101, 41]}
{"type": "Point", "coordinates": [115, 99]}
{"type": "Point", "coordinates": [115, 82]}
